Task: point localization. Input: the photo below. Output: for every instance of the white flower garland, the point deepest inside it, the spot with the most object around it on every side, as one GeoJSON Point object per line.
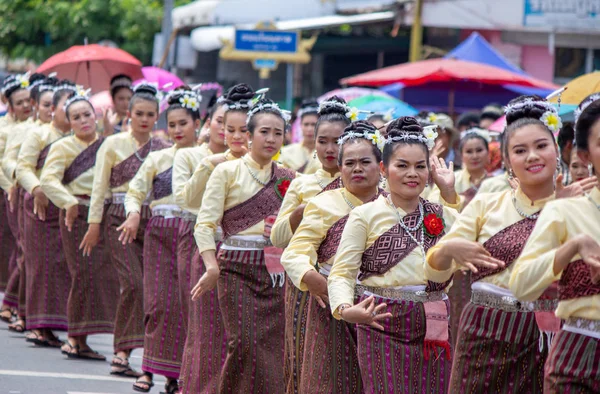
{"type": "Point", "coordinates": [550, 117]}
{"type": "Point", "coordinates": [80, 94]}
{"type": "Point", "coordinates": [427, 138]}
{"type": "Point", "coordinates": [477, 131]}
{"type": "Point", "coordinates": [21, 80]}
{"type": "Point", "coordinates": [308, 110]}
{"type": "Point", "coordinates": [586, 103]}
{"type": "Point", "coordinates": [374, 137]}
{"type": "Point", "coordinates": [286, 115]}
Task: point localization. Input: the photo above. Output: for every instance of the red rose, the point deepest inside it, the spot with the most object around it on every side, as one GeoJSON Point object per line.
{"type": "Point", "coordinates": [282, 186]}
{"type": "Point", "coordinates": [434, 225]}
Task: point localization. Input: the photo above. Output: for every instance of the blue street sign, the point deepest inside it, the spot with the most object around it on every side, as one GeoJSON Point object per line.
{"type": "Point", "coordinates": [269, 64]}
{"type": "Point", "coordinates": [266, 41]}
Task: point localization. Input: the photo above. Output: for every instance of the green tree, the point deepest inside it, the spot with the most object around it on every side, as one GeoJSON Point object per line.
{"type": "Point", "coordinates": [37, 29]}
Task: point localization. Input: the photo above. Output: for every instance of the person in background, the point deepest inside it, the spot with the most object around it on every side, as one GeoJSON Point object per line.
{"type": "Point", "coordinates": [490, 114]}
{"type": "Point", "coordinates": [467, 121]}
{"type": "Point", "coordinates": [120, 90]}
{"type": "Point", "coordinates": [565, 139]}
{"type": "Point", "coordinates": [300, 156]}
{"type": "Point", "coordinates": [448, 136]}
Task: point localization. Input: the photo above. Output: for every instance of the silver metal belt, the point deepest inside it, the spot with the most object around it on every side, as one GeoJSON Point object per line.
{"type": "Point", "coordinates": [177, 213]}
{"type": "Point", "coordinates": [584, 324]}
{"type": "Point", "coordinates": [83, 201]}
{"type": "Point", "coordinates": [400, 294]}
{"type": "Point", "coordinates": [247, 244]}
{"type": "Point", "coordinates": [511, 304]}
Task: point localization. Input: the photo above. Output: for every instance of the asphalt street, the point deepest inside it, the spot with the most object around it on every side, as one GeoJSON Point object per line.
{"type": "Point", "coordinates": [28, 369]}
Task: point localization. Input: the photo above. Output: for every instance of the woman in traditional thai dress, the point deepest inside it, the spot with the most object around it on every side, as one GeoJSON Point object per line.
{"type": "Point", "coordinates": [329, 127]}
{"type": "Point", "coordinates": [496, 332]}
{"type": "Point", "coordinates": [300, 156]}
{"type": "Point", "coordinates": [244, 195]}
{"type": "Point", "coordinates": [474, 151]}
{"type": "Point", "coordinates": [329, 363]}
{"type": "Point", "coordinates": [163, 316]}
{"type": "Point", "coordinates": [67, 181]}
{"type": "Point", "coordinates": [119, 159]}
{"type": "Point", "coordinates": [115, 119]}
{"type": "Point", "coordinates": [206, 345]}
{"type": "Point", "coordinates": [564, 247]}
{"type": "Point", "coordinates": [402, 328]}
{"type": "Point", "coordinates": [7, 242]}
{"type": "Point", "coordinates": [46, 294]}
{"type": "Point", "coordinates": [11, 136]}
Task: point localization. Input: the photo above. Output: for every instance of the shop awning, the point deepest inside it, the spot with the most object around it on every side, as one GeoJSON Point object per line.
{"type": "Point", "coordinates": [197, 13]}
{"type": "Point", "coordinates": [209, 38]}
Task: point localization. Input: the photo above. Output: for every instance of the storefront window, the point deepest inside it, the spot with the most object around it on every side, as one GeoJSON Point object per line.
{"type": "Point", "coordinates": [569, 62]}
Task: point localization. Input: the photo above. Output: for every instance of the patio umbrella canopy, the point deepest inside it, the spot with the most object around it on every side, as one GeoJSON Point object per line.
{"type": "Point", "coordinates": [579, 88]}
{"type": "Point", "coordinates": [379, 104]}
{"type": "Point", "coordinates": [92, 66]}
{"type": "Point", "coordinates": [161, 77]}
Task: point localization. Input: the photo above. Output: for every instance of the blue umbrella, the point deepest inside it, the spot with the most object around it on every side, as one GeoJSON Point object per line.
{"type": "Point", "coordinates": [383, 105]}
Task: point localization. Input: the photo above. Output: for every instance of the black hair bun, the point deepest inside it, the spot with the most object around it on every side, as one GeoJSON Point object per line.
{"type": "Point", "coordinates": [326, 109]}
{"type": "Point", "coordinates": [240, 92]}
{"type": "Point", "coordinates": [52, 81]}
{"type": "Point", "coordinates": [360, 126]}
{"type": "Point", "coordinates": [145, 88]}
{"type": "Point", "coordinates": [309, 103]}
{"type": "Point", "coordinates": [36, 77]}
{"type": "Point", "coordinates": [533, 109]}
{"type": "Point", "coordinates": [403, 125]}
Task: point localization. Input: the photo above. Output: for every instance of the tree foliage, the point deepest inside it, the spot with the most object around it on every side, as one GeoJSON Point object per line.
{"type": "Point", "coordinates": [37, 29]}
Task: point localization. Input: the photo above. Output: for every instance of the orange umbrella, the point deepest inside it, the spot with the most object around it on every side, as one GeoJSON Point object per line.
{"type": "Point", "coordinates": [450, 71]}
{"type": "Point", "coordinates": [92, 66]}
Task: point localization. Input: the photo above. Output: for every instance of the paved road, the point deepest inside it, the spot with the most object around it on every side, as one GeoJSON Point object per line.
{"type": "Point", "coordinates": [27, 369]}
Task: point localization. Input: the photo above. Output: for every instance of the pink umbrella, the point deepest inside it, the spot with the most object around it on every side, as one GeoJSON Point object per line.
{"type": "Point", "coordinates": [102, 101]}
{"type": "Point", "coordinates": [498, 125]}
{"type": "Point", "coordinates": [161, 77]}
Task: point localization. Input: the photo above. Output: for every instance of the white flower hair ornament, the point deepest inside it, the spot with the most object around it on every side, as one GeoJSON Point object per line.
{"type": "Point", "coordinates": [370, 134]}
{"type": "Point", "coordinates": [477, 131]}
{"type": "Point", "coordinates": [352, 114]}
{"type": "Point", "coordinates": [389, 115]}
{"type": "Point", "coordinates": [80, 95]}
{"type": "Point", "coordinates": [584, 104]}
{"type": "Point", "coordinates": [552, 121]}
{"type": "Point", "coordinates": [427, 138]}
{"type": "Point", "coordinates": [286, 115]}
{"type": "Point", "coordinates": [21, 80]}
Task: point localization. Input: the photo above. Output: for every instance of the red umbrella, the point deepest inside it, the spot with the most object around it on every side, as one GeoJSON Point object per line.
{"type": "Point", "coordinates": [443, 70]}
{"type": "Point", "coordinates": [92, 65]}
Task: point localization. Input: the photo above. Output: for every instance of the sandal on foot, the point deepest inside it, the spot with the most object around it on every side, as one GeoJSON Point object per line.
{"type": "Point", "coordinates": [6, 316]}
{"type": "Point", "coordinates": [33, 337]}
{"type": "Point", "coordinates": [67, 348]}
{"type": "Point", "coordinates": [87, 354]}
{"type": "Point", "coordinates": [17, 327]}
{"type": "Point", "coordinates": [171, 388]}
{"type": "Point", "coordinates": [126, 372]}
{"type": "Point", "coordinates": [148, 385]}
{"type": "Point", "coordinates": [50, 342]}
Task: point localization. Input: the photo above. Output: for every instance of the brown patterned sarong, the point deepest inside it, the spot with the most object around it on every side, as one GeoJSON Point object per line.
{"type": "Point", "coordinates": [126, 170]}
{"type": "Point", "coordinates": [205, 346]}
{"type": "Point", "coordinates": [393, 361]}
{"type": "Point", "coordinates": [394, 245]}
{"type": "Point", "coordinates": [497, 352]}
{"type": "Point", "coordinates": [459, 295]}
{"type": "Point", "coordinates": [8, 257]}
{"type": "Point", "coordinates": [330, 362]}
{"type": "Point", "coordinates": [573, 365]}
{"type": "Point", "coordinates": [94, 285]}
{"type": "Point", "coordinates": [163, 318]}
{"type": "Point", "coordinates": [264, 203]}
{"type": "Point", "coordinates": [42, 157]}
{"type": "Point", "coordinates": [83, 162]}
{"type": "Point", "coordinates": [296, 312]}
{"type": "Point", "coordinates": [253, 313]}
{"type": "Point", "coordinates": [22, 308]}
{"type": "Point", "coordinates": [162, 185]}
{"type": "Point", "coordinates": [576, 282]}
{"type": "Point", "coordinates": [48, 278]}
{"type": "Point", "coordinates": [127, 260]}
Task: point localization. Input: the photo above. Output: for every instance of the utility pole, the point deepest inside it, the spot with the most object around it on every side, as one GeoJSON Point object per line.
{"type": "Point", "coordinates": [167, 28]}
{"type": "Point", "coordinates": [416, 34]}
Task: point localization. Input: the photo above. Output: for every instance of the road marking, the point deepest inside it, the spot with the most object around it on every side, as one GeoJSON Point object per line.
{"type": "Point", "coordinates": [60, 375]}
{"type": "Point", "coordinates": [85, 392]}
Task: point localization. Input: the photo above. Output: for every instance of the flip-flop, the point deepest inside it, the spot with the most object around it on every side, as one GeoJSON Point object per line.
{"type": "Point", "coordinates": [52, 342]}
{"type": "Point", "coordinates": [34, 338]}
{"type": "Point", "coordinates": [171, 388]}
{"type": "Point", "coordinates": [139, 381]}
{"type": "Point", "coordinates": [17, 327]}
{"type": "Point", "coordinates": [87, 354]}
{"type": "Point", "coordinates": [126, 372]}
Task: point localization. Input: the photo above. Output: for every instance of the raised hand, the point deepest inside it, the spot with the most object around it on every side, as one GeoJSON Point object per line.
{"type": "Point", "coordinates": [575, 189]}
{"type": "Point", "coordinates": [471, 255]}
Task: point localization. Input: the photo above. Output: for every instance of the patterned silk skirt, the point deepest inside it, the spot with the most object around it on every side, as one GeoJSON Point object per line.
{"type": "Point", "coordinates": [94, 285]}
{"type": "Point", "coordinates": [396, 359]}
{"type": "Point", "coordinates": [497, 352]}
{"type": "Point", "coordinates": [205, 346]}
{"type": "Point", "coordinates": [11, 291]}
{"type": "Point", "coordinates": [459, 295]}
{"type": "Point", "coordinates": [8, 257]}
{"type": "Point", "coordinates": [163, 318]}
{"type": "Point", "coordinates": [573, 365]}
{"type": "Point", "coordinates": [128, 262]}
{"type": "Point", "coordinates": [48, 278]}
{"type": "Point", "coordinates": [330, 362]}
{"type": "Point", "coordinates": [296, 311]}
{"type": "Point", "coordinates": [253, 313]}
